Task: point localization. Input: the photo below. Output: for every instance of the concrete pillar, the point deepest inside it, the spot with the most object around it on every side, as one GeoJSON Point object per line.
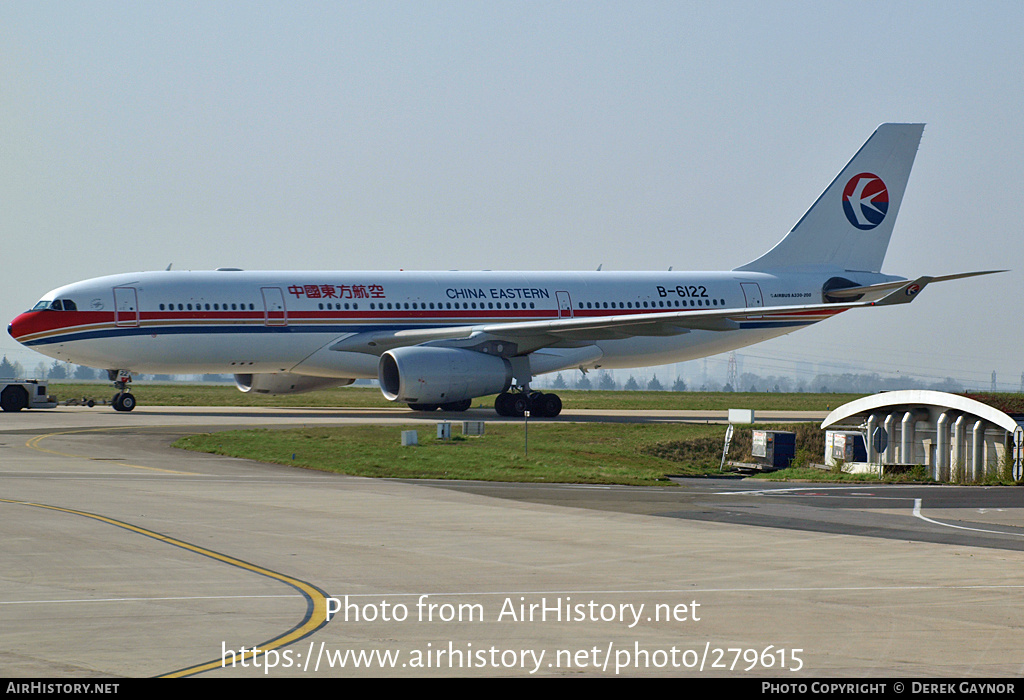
{"type": "Point", "coordinates": [890, 431]}
{"type": "Point", "coordinates": [907, 438]}
{"type": "Point", "coordinates": [870, 447]}
{"type": "Point", "coordinates": [1018, 446]}
{"type": "Point", "coordinates": [1010, 452]}
{"type": "Point", "coordinates": [959, 466]}
{"type": "Point", "coordinates": [978, 451]}
{"type": "Point", "coordinates": [942, 447]}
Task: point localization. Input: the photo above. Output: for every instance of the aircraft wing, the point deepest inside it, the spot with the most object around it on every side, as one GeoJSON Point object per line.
{"type": "Point", "coordinates": [527, 336]}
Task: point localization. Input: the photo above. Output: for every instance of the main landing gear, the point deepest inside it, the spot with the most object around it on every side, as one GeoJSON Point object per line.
{"type": "Point", "coordinates": [123, 400]}
{"type": "Point", "coordinates": [516, 404]}
{"type": "Point", "coordinates": [513, 404]}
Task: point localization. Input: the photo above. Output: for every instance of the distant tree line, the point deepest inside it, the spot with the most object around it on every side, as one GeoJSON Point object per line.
{"type": "Point", "coordinates": [603, 380]}
{"type": "Point", "coordinates": [848, 383]}
{"type": "Point", "coordinates": [58, 370]}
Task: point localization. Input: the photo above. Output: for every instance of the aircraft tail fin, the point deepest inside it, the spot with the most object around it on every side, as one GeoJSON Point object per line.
{"type": "Point", "coordinates": [850, 224]}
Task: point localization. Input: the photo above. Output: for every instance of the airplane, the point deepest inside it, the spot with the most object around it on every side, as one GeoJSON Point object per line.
{"type": "Point", "coordinates": [437, 340]}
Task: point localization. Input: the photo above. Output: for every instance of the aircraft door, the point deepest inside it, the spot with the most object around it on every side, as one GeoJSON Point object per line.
{"type": "Point", "coordinates": [274, 311]}
{"type": "Point", "coordinates": [564, 304]}
{"type": "Point", "coordinates": [752, 295]}
{"type": "Point", "coordinates": [126, 307]}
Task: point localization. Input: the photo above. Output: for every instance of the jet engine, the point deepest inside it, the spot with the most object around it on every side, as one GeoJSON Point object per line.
{"type": "Point", "coordinates": [429, 375]}
{"type": "Point", "coordinates": [285, 383]}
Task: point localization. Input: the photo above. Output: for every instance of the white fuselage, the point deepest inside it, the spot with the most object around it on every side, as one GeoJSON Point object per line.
{"type": "Point", "coordinates": [262, 322]}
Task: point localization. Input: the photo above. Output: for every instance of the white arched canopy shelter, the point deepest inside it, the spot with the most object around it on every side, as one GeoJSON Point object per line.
{"type": "Point", "coordinates": [956, 437]}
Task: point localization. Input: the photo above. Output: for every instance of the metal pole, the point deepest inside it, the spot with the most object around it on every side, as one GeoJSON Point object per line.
{"type": "Point", "coordinates": [526, 432]}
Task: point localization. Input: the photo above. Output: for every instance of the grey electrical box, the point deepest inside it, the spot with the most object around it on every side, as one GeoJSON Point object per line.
{"type": "Point", "coordinates": [773, 448]}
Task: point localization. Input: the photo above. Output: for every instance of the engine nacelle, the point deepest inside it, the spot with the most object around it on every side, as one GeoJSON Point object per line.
{"type": "Point", "coordinates": [285, 383]}
{"type": "Point", "coordinates": [428, 375]}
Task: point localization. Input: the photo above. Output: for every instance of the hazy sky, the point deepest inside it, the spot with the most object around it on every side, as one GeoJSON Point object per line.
{"type": "Point", "coordinates": [516, 135]}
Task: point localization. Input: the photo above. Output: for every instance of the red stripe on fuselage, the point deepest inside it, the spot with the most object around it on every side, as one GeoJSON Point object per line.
{"type": "Point", "coordinates": [47, 321]}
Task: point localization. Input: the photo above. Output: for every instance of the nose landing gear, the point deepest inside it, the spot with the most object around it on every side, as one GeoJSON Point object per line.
{"type": "Point", "coordinates": [123, 400]}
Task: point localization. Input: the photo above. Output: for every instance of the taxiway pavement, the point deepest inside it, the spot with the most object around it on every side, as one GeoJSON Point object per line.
{"type": "Point", "coordinates": [124, 557]}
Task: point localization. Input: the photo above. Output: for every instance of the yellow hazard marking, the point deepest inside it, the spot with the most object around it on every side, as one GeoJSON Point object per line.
{"type": "Point", "coordinates": [316, 600]}
{"type": "Point", "coordinates": [33, 444]}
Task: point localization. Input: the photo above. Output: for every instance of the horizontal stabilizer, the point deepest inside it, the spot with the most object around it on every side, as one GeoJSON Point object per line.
{"type": "Point", "coordinates": [853, 293]}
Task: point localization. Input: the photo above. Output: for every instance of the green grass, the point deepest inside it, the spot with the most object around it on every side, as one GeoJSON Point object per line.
{"type": "Point", "coordinates": [558, 452]}
{"type": "Point", "coordinates": [580, 453]}
{"type": "Point", "coordinates": [819, 475]}
{"type": "Point", "coordinates": [584, 453]}
{"type": "Point", "coordinates": [368, 397]}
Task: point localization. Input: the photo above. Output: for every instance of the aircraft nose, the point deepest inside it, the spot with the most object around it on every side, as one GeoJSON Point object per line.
{"type": "Point", "coordinates": [17, 328]}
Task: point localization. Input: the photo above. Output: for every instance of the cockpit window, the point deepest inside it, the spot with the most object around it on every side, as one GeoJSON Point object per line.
{"type": "Point", "coordinates": [56, 305]}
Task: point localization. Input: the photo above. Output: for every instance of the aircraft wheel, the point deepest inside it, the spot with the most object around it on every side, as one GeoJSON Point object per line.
{"type": "Point", "coordinates": [501, 404]}
{"type": "Point", "coordinates": [549, 405]}
{"type": "Point", "coordinates": [537, 407]}
{"type": "Point", "coordinates": [518, 405]}
{"type": "Point", "coordinates": [123, 401]}
{"type": "Point", "coordinates": [457, 406]}
{"type": "Point", "coordinates": [511, 405]}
